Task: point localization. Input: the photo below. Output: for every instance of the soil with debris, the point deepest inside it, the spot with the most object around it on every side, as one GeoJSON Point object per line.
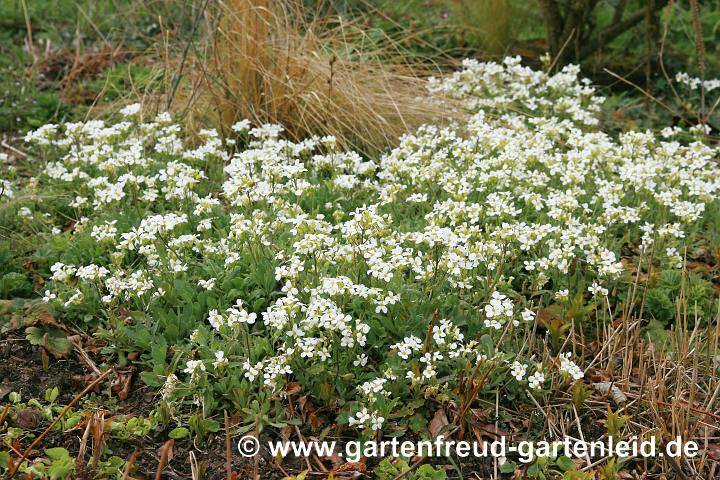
{"type": "Point", "coordinates": [21, 371]}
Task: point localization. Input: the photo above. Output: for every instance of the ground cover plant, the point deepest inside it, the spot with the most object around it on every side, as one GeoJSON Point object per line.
{"type": "Point", "coordinates": [471, 262]}
{"type": "Point", "coordinates": [521, 268]}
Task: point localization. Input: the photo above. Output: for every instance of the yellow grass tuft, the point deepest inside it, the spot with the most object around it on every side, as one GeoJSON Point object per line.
{"type": "Point", "coordinates": [271, 62]}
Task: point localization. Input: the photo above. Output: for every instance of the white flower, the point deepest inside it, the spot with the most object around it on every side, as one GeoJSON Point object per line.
{"type": "Point", "coordinates": [5, 186]}
{"type": "Point", "coordinates": [78, 202]}
{"type": "Point", "coordinates": [562, 294]}
{"type": "Point", "coordinates": [528, 315]}
{"type": "Point", "coordinates": [365, 419]}
{"type": "Point", "coordinates": [518, 370]}
{"type": "Point", "coordinates": [676, 260]}
{"type": "Point", "coordinates": [169, 386]}
{"type": "Point", "coordinates": [503, 200]}
{"type": "Point", "coordinates": [360, 418]}
{"type": "Point", "coordinates": [360, 360]}
{"type": "Point", "coordinates": [195, 336]}
{"type": "Point", "coordinates": [569, 367]}
{"type": "Point", "coordinates": [216, 319]}
{"type": "Point", "coordinates": [220, 359]}
{"type": "Point", "coordinates": [377, 422]}
{"type": "Point", "coordinates": [413, 377]}
{"type": "Point", "coordinates": [75, 298]}
{"type": "Point", "coordinates": [204, 225]}
{"type": "Point", "coordinates": [242, 126]}
{"type": "Point", "coordinates": [498, 311]}
{"type": "Point", "coordinates": [596, 289]}
{"type": "Point", "coordinates": [131, 110]}
{"type": "Point", "coordinates": [252, 371]}
{"type": "Point", "coordinates": [194, 368]}
{"type": "Point", "coordinates": [237, 315]}
{"type": "Point", "coordinates": [407, 347]}
{"type": "Point", "coordinates": [536, 380]}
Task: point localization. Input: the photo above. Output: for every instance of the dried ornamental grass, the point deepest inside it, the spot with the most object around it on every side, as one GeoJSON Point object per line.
{"type": "Point", "coordinates": [270, 64]}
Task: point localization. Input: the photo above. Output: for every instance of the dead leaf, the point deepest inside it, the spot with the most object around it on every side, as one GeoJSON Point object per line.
{"type": "Point", "coordinates": [478, 415]}
{"type": "Point", "coordinates": [618, 322]}
{"type": "Point", "coordinates": [5, 388]}
{"type": "Point", "coordinates": [292, 388]}
{"type": "Point", "coordinates": [130, 464]}
{"type": "Point", "coordinates": [44, 317]}
{"type": "Point", "coordinates": [596, 375]}
{"type": "Point", "coordinates": [609, 388]}
{"type": "Point", "coordinates": [37, 279]}
{"type": "Point", "coordinates": [166, 455]}
{"type": "Point", "coordinates": [308, 412]}
{"type": "Point", "coordinates": [627, 263]}
{"type": "Point", "coordinates": [701, 266]}
{"type": "Point", "coordinates": [478, 434]}
{"type": "Point", "coordinates": [438, 423]}
{"type": "Point", "coordinates": [335, 457]}
{"type": "Point", "coordinates": [352, 475]}
{"type": "Point", "coordinates": [351, 467]}
{"type": "Point", "coordinates": [713, 452]}
{"type": "Point", "coordinates": [122, 382]}
{"type": "Point", "coordinates": [551, 317]}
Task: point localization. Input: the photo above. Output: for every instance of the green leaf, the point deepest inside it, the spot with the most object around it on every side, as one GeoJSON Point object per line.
{"type": "Point", "coordinates": [179, 433]}
{"type": "Point", "coordinates": [428, 472]}
{"type": "Point", "coordinates": [211, 425]}
{"type": "Point", "coordinates": [62, 465]}
{"type": "Point", "coordinates": [159, 352]}
{"type": "Point", "coordinates": [508, 467]}
{"type": "Point", "coordinates": [299, 476]}
{"type": "Point", "coordinates": [487, 345]}
{"type": "Point", "coordinates": [57, 453]}
{"type": "Point", "coordinates": [564, 463]}
{"type": "Point", "coordinates": [151, 379]}
{"type": "Point", "coordinates": [53, 339]}
{"type": "Point", "coordinates": [51, 394]}
{"type": "Point", "coordinates": [387, 470]}
{"type": "Point", "coordinates": [73, 420]}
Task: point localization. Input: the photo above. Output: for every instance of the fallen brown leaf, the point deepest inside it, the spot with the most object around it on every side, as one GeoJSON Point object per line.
{"type": "Point", "coordinates": [166, 454]}
{"type": "Point", "coordinates": [609, 388]}
{"type": "Point", "coordinates": [438, 423]}
{"type": "Point", "coordinates": [122, 382]}
{"type": "Point", "coordinates": [713, 452]}
{"type": "Point", "coordinates": [351, 467]}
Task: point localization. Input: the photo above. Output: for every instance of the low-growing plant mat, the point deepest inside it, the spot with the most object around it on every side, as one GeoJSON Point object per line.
{"type": "Point", "coordinates": [521, 274]}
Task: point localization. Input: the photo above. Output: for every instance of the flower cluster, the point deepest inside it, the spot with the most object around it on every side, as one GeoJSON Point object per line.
{"type": "Point", "coordinates": [507, 86]}
{"type": "Point", "coordinates": [269, 261]}
{"type": "Point", "coordinates": [693, 83]}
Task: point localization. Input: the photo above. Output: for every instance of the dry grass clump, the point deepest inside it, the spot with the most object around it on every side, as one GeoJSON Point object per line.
{"type": "Point", "coordinates": [269, 61]}
{"type": "Point", "coordinates": [651, 389]}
